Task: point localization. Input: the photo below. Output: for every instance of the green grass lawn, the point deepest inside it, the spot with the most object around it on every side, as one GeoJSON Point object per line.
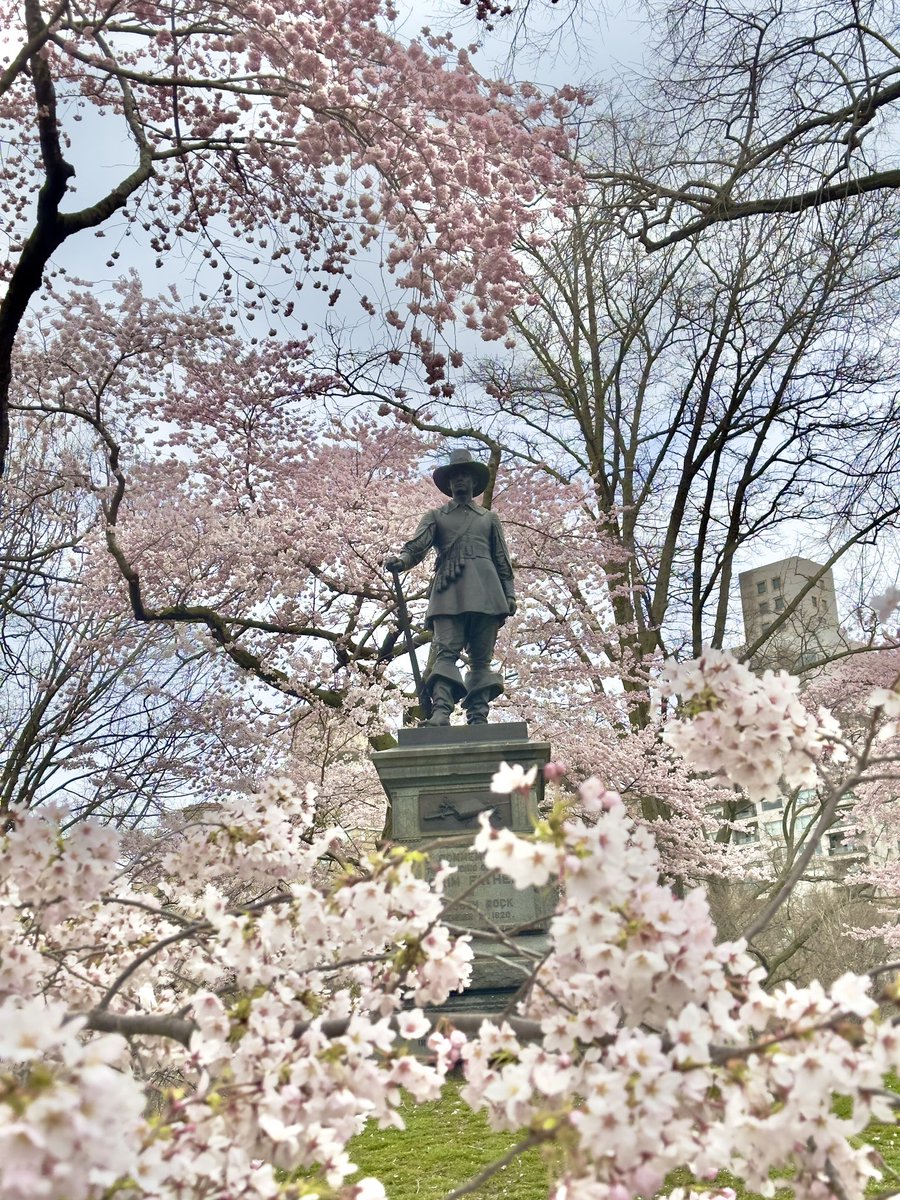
{"type": "Point", "coordinates": [445, 1144]}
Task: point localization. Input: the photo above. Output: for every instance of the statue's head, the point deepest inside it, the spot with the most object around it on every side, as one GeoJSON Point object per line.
{"type": "Point", "coordinates": [461, 461]}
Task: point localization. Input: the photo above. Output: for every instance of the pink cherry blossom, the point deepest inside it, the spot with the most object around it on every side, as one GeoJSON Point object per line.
{"type": "Point", "coordinates": [751, 730]}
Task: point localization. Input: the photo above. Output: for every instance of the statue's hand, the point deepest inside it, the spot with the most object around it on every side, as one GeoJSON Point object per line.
{"type": "Point", "coordinates": [393, 563]}
{"type": "Point", "coordinates": [512, 605]}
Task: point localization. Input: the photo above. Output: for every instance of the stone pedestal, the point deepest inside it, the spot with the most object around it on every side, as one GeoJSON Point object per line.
{"type": "Point", "coordinates": [438, 779]}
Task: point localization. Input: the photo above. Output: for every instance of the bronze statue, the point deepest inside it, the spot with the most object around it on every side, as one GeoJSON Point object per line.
{"type": "Point", "coordinates": [472, 593]}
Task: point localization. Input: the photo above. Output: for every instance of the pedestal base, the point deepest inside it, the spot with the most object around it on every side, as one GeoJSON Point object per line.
{"type": "Point", "coordinates": [498, 972]}
{"type": "Point", "coordinates": [438, 781]}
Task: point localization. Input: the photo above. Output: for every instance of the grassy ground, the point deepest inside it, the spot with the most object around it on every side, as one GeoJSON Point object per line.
{"type": "Point", "coordinates": [445, 1144]}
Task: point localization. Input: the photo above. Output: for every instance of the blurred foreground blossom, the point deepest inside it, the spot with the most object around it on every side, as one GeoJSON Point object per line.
{"type": "Point", "coordinates": [513, 779]}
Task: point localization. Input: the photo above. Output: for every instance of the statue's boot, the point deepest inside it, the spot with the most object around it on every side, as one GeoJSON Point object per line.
{"type": "Point", "coordinates": [443, 699]}
{"type": "Point", "coordinates": [477, 705]}
{"type": "Point", "coordinates": [482, 686]}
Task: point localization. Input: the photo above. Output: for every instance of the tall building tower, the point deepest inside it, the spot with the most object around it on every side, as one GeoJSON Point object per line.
{"type": "Point", "coordinates": [810, 632]}
{"type": "Point", "coordinates": [803, 637]}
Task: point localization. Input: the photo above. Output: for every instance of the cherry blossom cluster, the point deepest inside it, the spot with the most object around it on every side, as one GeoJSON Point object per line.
{"type": "Point", "coordinates": [660, 1048]}
{"type": "Point", "coordinates": [278, 983]}
{"type": "Point", "coordinates": [71, 1113]}
{"type": "Point", "coordinates": [341, 132]}
{"type": "Point", "coordinates": [750, 730]}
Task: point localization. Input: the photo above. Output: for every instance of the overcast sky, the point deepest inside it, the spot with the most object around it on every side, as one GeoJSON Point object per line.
{"type": "Point", "coordinates": [597, 40]}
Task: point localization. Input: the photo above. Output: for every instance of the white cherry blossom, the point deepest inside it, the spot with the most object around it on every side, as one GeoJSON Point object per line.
{"type": "Point", "coordinates": [513, 779]}
{"type": "Point", "coordinates": [280, 984]}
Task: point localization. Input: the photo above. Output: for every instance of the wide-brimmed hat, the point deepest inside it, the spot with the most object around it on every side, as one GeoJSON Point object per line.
{"type": "Point", "coordinates": [461, 458]}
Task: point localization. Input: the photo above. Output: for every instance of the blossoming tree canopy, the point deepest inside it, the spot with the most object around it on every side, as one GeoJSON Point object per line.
{"type": "Point", "coordinates": [270, 142]}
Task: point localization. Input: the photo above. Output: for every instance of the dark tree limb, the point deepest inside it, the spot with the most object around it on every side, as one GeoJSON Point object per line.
{"type": "Point", "coordinates": [52, 227]}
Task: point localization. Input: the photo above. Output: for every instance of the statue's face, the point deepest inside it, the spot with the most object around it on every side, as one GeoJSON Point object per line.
{"type": "Point", "coordinates": [462, 485]}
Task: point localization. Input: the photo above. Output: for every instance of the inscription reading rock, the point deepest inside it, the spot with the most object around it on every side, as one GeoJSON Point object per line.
{"type": "Point", "coordinates": [491, 900]}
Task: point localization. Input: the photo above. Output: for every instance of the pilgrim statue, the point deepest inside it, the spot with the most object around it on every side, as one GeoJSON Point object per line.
{"type": "Point", "coordinates": [472, 592]}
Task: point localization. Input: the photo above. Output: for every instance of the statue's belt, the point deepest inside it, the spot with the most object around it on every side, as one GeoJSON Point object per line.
{"type": "Point", "coordinates": [468, 550]}
{"type": "Point", "coordinates": [451, 564]}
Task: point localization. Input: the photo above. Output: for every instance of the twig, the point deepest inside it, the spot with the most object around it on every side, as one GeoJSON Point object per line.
{"type": "Point", "coordinates": [834, 1179]}
{"type": "Point", "coordinates": [196, 927]}
{"type": "Point", "coordinates": [142, 1025]}
{"type": "Point", "coordinates": [491, 1170]}
{"type": "Point", "coordinates": [786, 890]}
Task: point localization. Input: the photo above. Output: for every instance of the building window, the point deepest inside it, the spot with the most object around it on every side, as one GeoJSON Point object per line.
{"type": "Point", "coordinates": [761, 587]}
{"type": "Point", "coordinates": [776, 583]}
{"type": "Point", "coordinates": [840, 842]}
{"type": "Point", "coordinates": [764, 606]}
{"type": "Point", "coordinates": [746, 834]}
{"type": "Point", "coordinates": [814, 601]}
{"type": "Point", "coordinates": [779, 605]}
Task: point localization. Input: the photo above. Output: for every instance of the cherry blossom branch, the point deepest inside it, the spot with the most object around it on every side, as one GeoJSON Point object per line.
{"type": "Point", "coordinates": [117, 197]}
{"type": "Point", "coordinates": [241, 85]}
{"type": "Point", "coordinates": [171, 1027]}
{"type": "Point", "coordinates": [52, 228]}
{"type": "Point", "coordinates": [191, 930]}
{"type": "Point", "coordinates": [31, 47]}
{"type": "Point", "coordinates": [503, 936]}
{"type": "Point", "coordinates": [165, 913]}
{"type": "Point", "coordinates": [218, 626]}
{"type": "Point", "coordinates": [47, 234]}
{"type": "Point", "coordinates": [834, 1179]}
{"type": "Point", "coordinates": [182, 1029]}
{"type": "Point", "coordinates": [222, 628]}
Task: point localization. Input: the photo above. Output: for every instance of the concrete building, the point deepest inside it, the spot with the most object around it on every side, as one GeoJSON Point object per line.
{"type": "Point", "coordinates": [772, 826]}
{"type": "Point", "coordinates": [794, 601]}
{"type": "Point", "coordinates": [807, 634]}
